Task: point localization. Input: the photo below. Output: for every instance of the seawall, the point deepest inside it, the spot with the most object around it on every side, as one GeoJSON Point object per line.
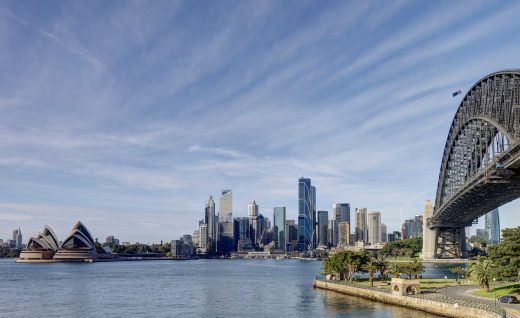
{"type": "Point", "coordinates": [431, 306]}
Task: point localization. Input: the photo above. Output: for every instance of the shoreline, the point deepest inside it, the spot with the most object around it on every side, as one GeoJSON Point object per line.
{"type": "Point", "coordinates": [443, 309]}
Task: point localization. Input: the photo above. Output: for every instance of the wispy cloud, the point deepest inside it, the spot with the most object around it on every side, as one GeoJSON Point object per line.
{"type": "Point", "coordinates": [125, 114]}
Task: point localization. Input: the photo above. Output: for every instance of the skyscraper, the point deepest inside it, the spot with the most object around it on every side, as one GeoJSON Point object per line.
{"type": "Point", "coordinates": [314, 218]}
{"type": "Point", "coordinates": [226, 206]}
{"type": "Point", "coordinates": [279, 228]}
{"type": "Point", "coordinates": [254, 226]}
{"type": "Point", "coordinates": [203, 236]}
{"type": "Point", "coordinates": [492, 221]}
{"type": "Point", "coordinates": [341, 213]}
{"type": "Point", "coordinates": [384, 238]}
{"type": "Point", "coordinates": [343, 234]}
{"type": "Point", "coordinates": [323, 227]}
{"type": "Point", "coordinates": [361, 224]}
{"type": "Point", "coordinates": [252, 209]}
{"type": "Point", "coordinates": [211, 222]}
{"type": "Point", "coordinates": [18, 238]}
{"type": "Point", "coordinates": [306, 218]}
{"type": "Point", "coordinates": [417, 226]}
{"type": "Point", "coordinates": [226, 239]}
{"type": "Point", "coordinates": [374, 227]}
{"type": "Point", "coordinates": [292, 235]}
{"type": "Point", "coordinates": [333, 233]}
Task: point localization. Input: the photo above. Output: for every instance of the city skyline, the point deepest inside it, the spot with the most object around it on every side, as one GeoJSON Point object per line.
{"type": "Point", "coordinates": [169, 111]}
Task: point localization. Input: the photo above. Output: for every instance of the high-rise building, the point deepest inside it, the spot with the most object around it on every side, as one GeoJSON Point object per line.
{"type": "Point", "coordinates": [374, 227]}
{"type": "Point", "coordinates": [279, 228]}
{"type": "Point", "coordinates": [252, 210]}
{"type": "Point", "coordinates": [226, 206]}
{"type": "Point", "coordinates": [417, 226]}
{"type": "Point", "coordinates": [333, 233]}
{"type": "Point", "coordinates": [292, 235]}
{"type": "Point", "coordinates": [241, 231]}
{"type": "Point", "coordinates": [340, 213]}
{"type": "Point", "coordinates": [314, 219]}
{"type": "Point", "coordinates": [18, 238]}
{"type": "Point", "coordinates": [203, 236]}
{"type": "Point", "coordinates": [323, 227]}
{"type": "Point", "coordinates": [196, 238]}
{"type": "Point", "coordinates": [343, 234]}
{"type": "Point", "coordinates": [483, 234]}
{"type": "Point", "coordinates": [407, 229]}
{"type": "Point", "coordinates": [226, 239]}
{"type": "Point", "coordinates": [384, 238]}
{"type": "Point", "coordinates": [361, 224]}
{"type": "Point", "coordinates": [306, 214]}
{"type": "Point", "coordinates": [211, 222]}
{"type": "Point", "coordinates": [492, 222]}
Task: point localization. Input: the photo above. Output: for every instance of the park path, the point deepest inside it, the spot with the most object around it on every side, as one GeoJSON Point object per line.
{"type": "Point", "coordinates": [464, 292]}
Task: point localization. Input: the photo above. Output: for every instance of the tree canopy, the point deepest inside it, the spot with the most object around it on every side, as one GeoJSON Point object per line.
{"type": "Point", "coordinates": [408, 247]}
{"type": "Point", "coordinates": [506, 255]}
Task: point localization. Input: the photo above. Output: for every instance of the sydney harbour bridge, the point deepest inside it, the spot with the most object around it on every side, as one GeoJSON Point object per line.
{"type": "Point", "coordinates": [480, 168]}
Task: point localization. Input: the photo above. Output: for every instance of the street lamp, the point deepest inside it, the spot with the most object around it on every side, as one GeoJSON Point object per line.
{"type": "Point", "coordinates": [462, 279]}
{"type": "Point", "coordinates": [446, 278]}
{"type": "Point", "coordinates": [494, 291]}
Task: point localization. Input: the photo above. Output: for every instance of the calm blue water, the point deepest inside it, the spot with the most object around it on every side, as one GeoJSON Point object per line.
{"type": "Point", "coordinates": [197, 288]}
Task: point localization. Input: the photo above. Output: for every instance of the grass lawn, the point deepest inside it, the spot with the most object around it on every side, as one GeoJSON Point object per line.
{"type": "Point", "coordinates": [402, 259]}
{"type": "Point", "coordinates": [501, 290]}
{"type": "Point", "coordinates": [425, 283]}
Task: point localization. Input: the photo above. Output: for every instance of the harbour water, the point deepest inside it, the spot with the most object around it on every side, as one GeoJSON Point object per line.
{"type": "Point", "coordinates": [194, 288]}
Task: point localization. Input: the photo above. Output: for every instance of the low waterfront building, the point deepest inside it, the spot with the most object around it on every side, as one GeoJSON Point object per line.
{"type": "Point", "coordinates": [180, 249]}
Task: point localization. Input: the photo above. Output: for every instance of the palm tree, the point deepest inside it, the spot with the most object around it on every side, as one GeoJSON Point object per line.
{"type": "Point", "coordinates": [382, 265]}
{"type": "Point", "coordinates": [370, 267]}
{"type": "Point", "coordinates": [417, 268]}
{"type": "Point", "coordinates": [394, 270]}
{"type": "Point", "coordinates": [481, 271]}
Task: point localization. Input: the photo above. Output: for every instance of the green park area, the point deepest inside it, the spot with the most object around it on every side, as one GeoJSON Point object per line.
{"type": "Point", "coordinates": [507, 289]}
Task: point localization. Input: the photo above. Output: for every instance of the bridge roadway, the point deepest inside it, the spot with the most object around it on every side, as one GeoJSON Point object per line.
{"type": "Point", "coordinates": [494, 186]}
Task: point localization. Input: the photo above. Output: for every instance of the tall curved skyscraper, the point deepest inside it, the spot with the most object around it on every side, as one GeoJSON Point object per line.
{"type": "Point", "coordinates": [492, 221]}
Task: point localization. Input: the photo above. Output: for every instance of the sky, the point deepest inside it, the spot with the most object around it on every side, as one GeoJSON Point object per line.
{"type": "Point", "coordinates": [127, 115]}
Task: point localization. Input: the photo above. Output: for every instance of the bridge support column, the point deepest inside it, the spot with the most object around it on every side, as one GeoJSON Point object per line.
{"type": "Point", "coordinates": [429, 235]}
{"type": "Point", "coordinates": [449, 242]}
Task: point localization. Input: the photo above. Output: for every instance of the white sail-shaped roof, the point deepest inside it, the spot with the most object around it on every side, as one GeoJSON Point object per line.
{"type": "Point", "coordinates": [79, 237]}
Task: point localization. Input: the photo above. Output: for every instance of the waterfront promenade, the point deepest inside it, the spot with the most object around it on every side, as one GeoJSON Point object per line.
{"type": "Point", "coordinates": [433, 303]}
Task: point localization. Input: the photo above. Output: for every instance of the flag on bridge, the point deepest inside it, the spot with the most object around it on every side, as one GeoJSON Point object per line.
{"type": "Point", "coordinates": [456, 93]}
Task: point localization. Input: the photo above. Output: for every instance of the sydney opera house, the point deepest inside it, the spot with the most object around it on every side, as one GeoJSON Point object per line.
{"type": "Point", "coordinates": [77, 247]}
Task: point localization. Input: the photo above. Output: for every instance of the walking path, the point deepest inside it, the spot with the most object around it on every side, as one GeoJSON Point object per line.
{"type": "Point", "coordinates": [464, 292]}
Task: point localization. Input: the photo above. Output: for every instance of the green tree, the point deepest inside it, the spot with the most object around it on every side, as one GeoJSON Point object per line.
{"type": "Point", "coordinates": [481, 271]}
{"type": "Point", "coordinates": [459, 270]}
{"type": "Point", "coordinates": [394, 270]}
{"type": "Point", "coordinates": [506, 255]}
{"type": "Point", "coordinates": [408, 247]}
{"type": "Point", "coordinates": [370, 267]}
{"type": "Point", "coordinates": [412, 269]}
{"type": "Point", "coordinates": [382, 264]}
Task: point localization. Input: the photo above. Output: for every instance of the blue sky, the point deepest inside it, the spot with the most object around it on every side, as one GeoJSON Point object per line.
{"type": "Point", "coordinates": [128, 115]}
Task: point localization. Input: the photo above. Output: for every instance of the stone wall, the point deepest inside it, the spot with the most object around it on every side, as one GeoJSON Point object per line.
{"type": "Point", "coordinates": [431, 306]}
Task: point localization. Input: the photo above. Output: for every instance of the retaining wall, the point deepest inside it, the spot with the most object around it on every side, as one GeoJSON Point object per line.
{"type": "Point", "coordinates": [431, 306]}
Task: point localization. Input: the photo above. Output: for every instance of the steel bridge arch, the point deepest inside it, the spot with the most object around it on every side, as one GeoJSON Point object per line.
{"type": "Point", "coordinates": [495, 99]}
